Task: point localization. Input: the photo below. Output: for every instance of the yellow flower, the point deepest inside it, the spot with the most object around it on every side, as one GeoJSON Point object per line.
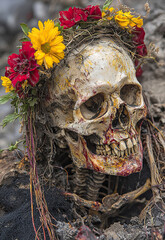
{"type": "Point", "coordinates": [108, 13]}
{"type": "Point", "coordinates": [126, 20]}
{"type": "Point", "coordinates": [6, 82]}
{"type": "Point", "coordinates": [123, 19]}
{"type": "Point", "coordinates": [136, 22]}
{"type": "Point", "coordinates": [47, 42]}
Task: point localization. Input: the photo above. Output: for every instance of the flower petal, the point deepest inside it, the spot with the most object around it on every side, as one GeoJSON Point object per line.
{"type": "Point", "coordinates": [49, 61]}
{"type": "Point", "coordinates": [56, 41]}
{"type": "Point", "coordinates": [59, 48]}
{"type": "Point", "coordinates": [39, 55]}
{"type": "Point", "coordinates": [40, 25]}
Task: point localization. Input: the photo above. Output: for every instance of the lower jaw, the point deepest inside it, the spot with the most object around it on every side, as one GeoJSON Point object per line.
{"type": "Point", "coordinates": [111, 165]}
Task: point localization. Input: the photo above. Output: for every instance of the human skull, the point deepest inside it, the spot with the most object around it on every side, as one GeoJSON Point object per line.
{"type": "Point", "coordinates": [96, 102]}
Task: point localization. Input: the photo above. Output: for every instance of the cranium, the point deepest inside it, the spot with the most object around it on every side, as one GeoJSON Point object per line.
{"type": "Point", "coordinates": [96, 102]}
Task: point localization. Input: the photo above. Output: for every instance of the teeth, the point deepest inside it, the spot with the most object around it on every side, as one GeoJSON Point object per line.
{"type": "Point", "coordinates": [109, 153]}
{"type": "Point", "coordinates": [107, 148]}
{"type": "Point", "coordinates": [113, 153]}
{"type": "Point", "coordinates": [115, 149]}
{"type": "Point", "coordinates": [126, 152]}
{"type": "Point", "coordinates": [101, 152]}
{"type": "Point", "coordinates": [122, 146]}
{"type": "Point", "coordinates": [114, 146]}
{"type": "Point", "coordinates": [134, 141]}
{"type": "Point", "coordinates": [97, 151]}
{"type": "Point", "coordinates": [122, 153]}
{"type": "Point", "coordinates": [104, 152]}
{"type": "Point", "coordinates": [129, 151]}
{"type": "Point", "coordinates": [135, 148]}
{"type": "Point", "coordinates": [118, 153]}
{"type": "Point", "coordinates": [129, 143]}
{"type": "Point", "coordinates": [123, 135]}
{"type": "Point", "coordinates": [132, 150]}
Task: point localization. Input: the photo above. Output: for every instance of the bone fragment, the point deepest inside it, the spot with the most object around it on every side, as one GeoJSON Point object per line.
{"type": "Point", "coordinates": [111, 203]}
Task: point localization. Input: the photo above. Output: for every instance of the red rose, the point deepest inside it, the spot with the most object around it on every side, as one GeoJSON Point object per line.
{"type": "Point", "coordinates": [139, 70]}
{"type": "Point", "coordinates": [23, 66]}
{"type": "Point", "coordinates": [72, 16]}
{"type": "Point", "coordinates": [141, 50]}
{"type": "Point", "coordinates": [138, 35]}
{"type": "Point", "coordinates": [93, 12]}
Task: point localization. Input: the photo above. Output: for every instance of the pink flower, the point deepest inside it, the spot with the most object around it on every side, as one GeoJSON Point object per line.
{"type": "Point", "coordinates": [72, 16]}
{"type": "Point", "coordinates": [23, 67]}
{"type": "Point", "coordinates": [93, 12]}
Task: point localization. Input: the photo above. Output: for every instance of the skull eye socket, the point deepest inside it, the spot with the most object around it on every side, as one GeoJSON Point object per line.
{"type": "Point", "coordinates": [93, 107]}
{"type": "Point", "coordinates": [131, 94]}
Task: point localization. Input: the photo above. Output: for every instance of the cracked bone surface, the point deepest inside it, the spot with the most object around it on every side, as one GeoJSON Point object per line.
{"type": "Point", "coordinates": [96, 101]}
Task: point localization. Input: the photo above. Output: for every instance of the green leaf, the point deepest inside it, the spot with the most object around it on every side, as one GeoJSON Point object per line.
{"type": "Point", "coordinates": [1, 150]}
{"type": "Point", "coordinates": [33, 102]}
{"type": "Point", "coordinates": [14, 146]}
{"type": "Point", "coordinates": [9, 118]}
{"type": "Point", "coordinates": [107, 4]}
{"type": "Point", "coordinates": [57, 24]}
{"type": "Point", "coordinates": [24, 39]}
{"type": "Point", "coordinates": [4, 99]}
{"type": "Point", "coordinates": [25, 28]}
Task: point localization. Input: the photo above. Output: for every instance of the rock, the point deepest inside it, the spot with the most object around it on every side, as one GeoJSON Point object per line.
{"type": "Point", "coordinates": [65, 231]}
{"type": "Point", "coordinates": [14, 12]}
{"type": "Point", "coordinates": [40, 10]}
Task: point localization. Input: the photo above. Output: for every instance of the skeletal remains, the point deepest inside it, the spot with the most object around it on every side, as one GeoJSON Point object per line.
{"type": "Point", "coordinates": [96, 102]}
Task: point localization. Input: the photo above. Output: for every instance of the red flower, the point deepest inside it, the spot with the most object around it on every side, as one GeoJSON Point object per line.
{"type": "Point", "coordinates": [93, 12]}
{"type": "Point", "coordinates": [141, 50]}
{"type": "Point", "coordinates": [72, 16]}
{"type": "Point", "coordinates": [139, 70]}
{"type": "Point", "coordinates": [138, 35]}
{"type": "Point", "coordinates": [23, 66]}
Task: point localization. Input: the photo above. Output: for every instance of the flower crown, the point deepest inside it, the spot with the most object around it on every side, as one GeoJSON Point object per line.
{"type": "Point", "coordinates": [45, 46]}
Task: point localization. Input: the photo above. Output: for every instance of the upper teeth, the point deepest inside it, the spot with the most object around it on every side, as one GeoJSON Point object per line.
{"type": "Point", "coordinates": [125, 147]}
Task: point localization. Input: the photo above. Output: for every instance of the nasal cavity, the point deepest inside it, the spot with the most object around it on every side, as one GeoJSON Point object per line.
{"type": "Point", "coordinates": [121, 119]}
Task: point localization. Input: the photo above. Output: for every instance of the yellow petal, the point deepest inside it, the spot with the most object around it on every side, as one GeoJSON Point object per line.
{"type": "Point", "coordinates": [55, 59]}
{"type": "Point", "coordinates": [49, 61]}
{"type": "Point", "coordinates": [40, 61]}
{"type": "Point", "coordinates": [109, 18]}
{"type": "Point", "coordinates": [59, 48]}
{"type": "Point", "coordinates": [56, 41]}
{"type": "Point", "coordinates": [111, 9]}
{"type": "Point", "coordinates": [60, 55]}
{"type": "Point", "coordinates": [49, 24]}
{"type": "Point", "coordinates": [39, 55]}
{"type": "Point", "coordinates": [136, 21]}
{"type": "Point", "coordinates": [40, 25]}
{"type": "Point", "coordinates": [53, 33]}
{"type": "Point", "coordinates": [6, 82]}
